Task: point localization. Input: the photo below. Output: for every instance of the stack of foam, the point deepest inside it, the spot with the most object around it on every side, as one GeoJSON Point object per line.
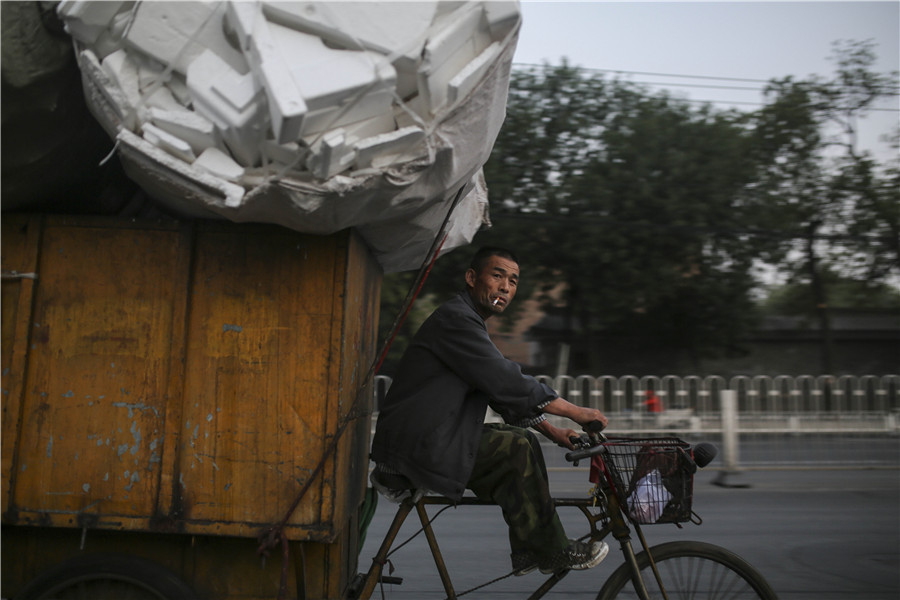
{"type": "Point", "coordinates": [314, 115]}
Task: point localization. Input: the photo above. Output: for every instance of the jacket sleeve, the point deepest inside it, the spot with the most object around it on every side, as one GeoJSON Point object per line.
{"type": "Point", "coordinates": [462, 343]}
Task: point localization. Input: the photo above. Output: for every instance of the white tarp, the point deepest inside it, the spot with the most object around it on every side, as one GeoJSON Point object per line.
{"type": "Point", "coordinates": [317, 116]}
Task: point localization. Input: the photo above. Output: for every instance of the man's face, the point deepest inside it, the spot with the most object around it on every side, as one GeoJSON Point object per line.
{"type": "Point", "coordinates": [494, 287]}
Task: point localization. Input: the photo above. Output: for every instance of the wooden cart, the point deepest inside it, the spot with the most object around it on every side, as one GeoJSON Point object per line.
{"type": "Point", "coordinates": [168, 387]}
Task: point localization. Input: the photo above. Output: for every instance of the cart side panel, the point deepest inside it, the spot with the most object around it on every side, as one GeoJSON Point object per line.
{"type": "Point", "coordinates": [21, 239]}
{"type": "Point", "coordinates": [94, 400]}
{"type": "Point", "coordinates": [258, 382]}
{"type": "Point", "coordinates": [361, 290]}
{"type": "Point", "coordinates": [185, 378]}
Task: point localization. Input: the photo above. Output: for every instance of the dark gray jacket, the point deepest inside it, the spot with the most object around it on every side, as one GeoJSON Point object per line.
{"type": "Point", "coordinates": [429, 424]}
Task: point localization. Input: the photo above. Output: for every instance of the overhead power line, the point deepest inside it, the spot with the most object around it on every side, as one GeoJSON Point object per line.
{"type": "Point", "coordinates": [673, 75]}
{"type": "Point", "coordinates": [676, 84]}
{"type": "Point", "coordinates": [652, 74]}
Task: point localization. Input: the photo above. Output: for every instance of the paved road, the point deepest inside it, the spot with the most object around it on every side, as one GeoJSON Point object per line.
{"type": "Point", "coordinates": [815, 534]}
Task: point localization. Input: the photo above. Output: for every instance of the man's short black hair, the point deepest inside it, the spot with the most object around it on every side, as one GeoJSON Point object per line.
{"type": "Point", "coordinates": [481, 257]}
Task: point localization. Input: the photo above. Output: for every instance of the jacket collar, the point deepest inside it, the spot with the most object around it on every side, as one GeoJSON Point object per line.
{"type": "Point", "coordinates": [467, 299]}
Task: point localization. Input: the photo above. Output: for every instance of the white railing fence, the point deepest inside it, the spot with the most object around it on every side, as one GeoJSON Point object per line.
{"type": "Point", "coordinates": [782, 420]}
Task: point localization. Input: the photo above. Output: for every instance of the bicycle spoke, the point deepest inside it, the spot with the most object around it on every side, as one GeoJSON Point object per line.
{"type": "Point", "coordinates": [691, 571]}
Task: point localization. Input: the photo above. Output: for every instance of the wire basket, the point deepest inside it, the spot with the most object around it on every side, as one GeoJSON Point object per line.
{"type": "Point", "coordinates": [653, 477]}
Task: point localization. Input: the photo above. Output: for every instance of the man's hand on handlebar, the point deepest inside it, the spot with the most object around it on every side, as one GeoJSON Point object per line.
{"type": "Point", "coordinates": [558, 435]}
{"type": "Point", "coordinates": [591, 415]}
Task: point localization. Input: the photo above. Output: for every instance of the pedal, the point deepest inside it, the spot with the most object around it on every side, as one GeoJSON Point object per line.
{"type": "Point", "coordinates": [390, 580]}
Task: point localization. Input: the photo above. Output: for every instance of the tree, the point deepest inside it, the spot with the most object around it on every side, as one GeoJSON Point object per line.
{"type": "Point", "coordinates": [842, 292]}
{"type": "Point", "coordinates": [631, 202]}
{"type": "Point", "coordinates": [835, 207]}
{"type": "Point", "coordinates": [651, 215]}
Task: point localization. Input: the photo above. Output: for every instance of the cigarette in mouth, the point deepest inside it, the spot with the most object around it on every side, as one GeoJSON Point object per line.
{"type": "Point", "coordinates": [496, 300]}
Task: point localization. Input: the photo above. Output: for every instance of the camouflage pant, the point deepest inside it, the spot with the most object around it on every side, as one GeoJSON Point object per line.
{"type": "Point", "coordinates": [510, 471]}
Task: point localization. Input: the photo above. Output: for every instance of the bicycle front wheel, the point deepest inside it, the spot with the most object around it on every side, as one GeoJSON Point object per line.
{"type": "Point", "coordinates": [694, 570]}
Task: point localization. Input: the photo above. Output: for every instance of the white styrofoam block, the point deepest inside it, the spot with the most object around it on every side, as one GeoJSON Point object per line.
{"type": "Point", "coordinates": [168, 142]}
{"type": "Point", "coordinates": [326, 76]}
{"type": "Point", "coordinates": [353, 110]}
{"type": "Point", "coordinates": [466, 80]}
{"type": "Point", "coordinates": [331, 155]}
{"type": "Point", "coordinates": [448, 7]}
{"type": "Point", "coordinates": [354, 132]}
{"type": "Point", "coordinates": [459, 39]}
{"type": "Point", "coordinates": [160, 97]}
{"type": "Point", "coordinates": [240, 18]}
{"type": "Point", "coordinates": [151, 73]}
{"type": "Point", "coordinates": [112, 38]}
{"type": "Point", "coordinates": [230, 100]}
{"type": "Point", "coordinates": [177, 84]}
{"type": "Point", "coordinates": [382, 150]}
{"type": "Point", "coordinates": [121, 75]}
{"type": "Point", "coordinates": [161, 174]}
{"type": "Point", "coordinates": [453, 32]}
{"type": "Point", "coordinates": [123, 71]}
{"type": "Point", "coordinates": [338, 87]}
{"type": "Point", "coordinates": [412, 112]}
{"type": "Point", "coordinates": [216, 162]}
{"type": "Point", "coordinates": [85, 21]}
{"type": "Point", "coordinates": [407, 75]}
{"type": "Point", "coordinates": [106, 100]}
{"type": "Point", "coordinates": [176, 33]}
{"type": "Point", "coordinates": [153, 80]}
{"type": "Point", "coordinates": [381, 123]}
{"type": "Point", "coordinates": [502, 17]}
{"type": "Point", "coordinates": [285, 103]}
{"type": "Point", "coordinates": [290, 154]}
{"type": "Point", "coordinates": [385, 27]}
{"type": "Point", "coordinates": [188, 125]}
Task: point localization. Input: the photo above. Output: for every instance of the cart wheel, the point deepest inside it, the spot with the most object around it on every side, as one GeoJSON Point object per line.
{"type": "Point", "coordinates": [107, 577]}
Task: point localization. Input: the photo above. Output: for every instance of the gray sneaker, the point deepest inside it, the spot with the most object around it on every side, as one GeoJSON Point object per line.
{"type": "Point", "coordinates": [577, 556]}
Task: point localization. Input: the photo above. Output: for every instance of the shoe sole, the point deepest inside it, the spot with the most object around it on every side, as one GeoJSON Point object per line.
{"type": "Point", "coordinates": [596, 560]}
{"type": "Point", "coordinates": [525, 571]}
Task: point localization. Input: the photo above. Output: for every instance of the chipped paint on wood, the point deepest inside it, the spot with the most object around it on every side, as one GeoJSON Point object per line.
{"type": "Point", "coordinates": [188, 376]}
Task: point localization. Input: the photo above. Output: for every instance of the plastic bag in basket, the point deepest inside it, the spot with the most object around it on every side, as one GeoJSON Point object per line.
{"type": "Point", "coordinates": [649, 498]}
{"type": "Point", "coordinates": [653, 480]}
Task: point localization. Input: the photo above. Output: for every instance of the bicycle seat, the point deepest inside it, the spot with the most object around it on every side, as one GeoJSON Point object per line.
{"type": "Point", "coordinates": [391, 484]}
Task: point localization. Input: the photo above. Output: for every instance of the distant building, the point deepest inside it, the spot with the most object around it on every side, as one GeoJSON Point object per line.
{"type": "Point", "coordinates": [864, 342]}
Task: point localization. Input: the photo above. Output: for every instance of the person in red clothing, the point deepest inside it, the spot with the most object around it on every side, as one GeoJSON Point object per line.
{"type": "Point", "coordinates": [653, 403]}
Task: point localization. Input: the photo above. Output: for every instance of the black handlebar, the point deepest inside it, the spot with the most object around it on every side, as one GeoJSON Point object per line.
{"type": "Point", "coordinates": [588, 443]}
{"type": "Point", "coordinates": [594, 427]}
{"type": "Point", "coordinates": [575, 455]}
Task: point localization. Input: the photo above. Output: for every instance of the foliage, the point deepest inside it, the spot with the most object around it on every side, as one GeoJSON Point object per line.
{"type": "Point", "coordinates": [835, 208]}
{"type": "Point", "coordinates": [652, 215]}
{"type": "Point", "coordinates": [841, 292]}
{"type": "Point", "coordinates": [631, 201]}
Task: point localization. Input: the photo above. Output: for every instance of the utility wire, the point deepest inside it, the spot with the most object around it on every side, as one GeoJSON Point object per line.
{"type": "Point", "coordinates": [673, 75]}
{"type": "Point", "coordinates": [651, 74]}
{"type": "Point", "coordinates": [699, 85]}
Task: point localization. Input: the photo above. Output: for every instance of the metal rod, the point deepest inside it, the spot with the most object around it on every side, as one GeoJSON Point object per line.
{"type": "Point", "coordinates": [378, 562]}
{"type": "Point", "coordinates": [435, 551]}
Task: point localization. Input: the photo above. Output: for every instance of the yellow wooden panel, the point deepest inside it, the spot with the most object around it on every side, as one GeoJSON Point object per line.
{"type": "Point", "coordinates": [258, 378]}
{"type": "Point", "coordinates": [361, 288]}
{"type": "Point", "coordinates": [189, 377]}
{"type": "Point", "coordinates": [20, 237]}
{"type": "Point", "coordinates": [94, 406]}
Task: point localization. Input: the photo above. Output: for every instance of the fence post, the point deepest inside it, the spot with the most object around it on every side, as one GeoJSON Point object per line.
{"type": "Point", "coordinates": [728, 403]}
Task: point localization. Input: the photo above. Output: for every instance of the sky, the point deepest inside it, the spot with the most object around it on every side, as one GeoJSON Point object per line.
{"type": "Point", "coordinates": [722, 42]}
